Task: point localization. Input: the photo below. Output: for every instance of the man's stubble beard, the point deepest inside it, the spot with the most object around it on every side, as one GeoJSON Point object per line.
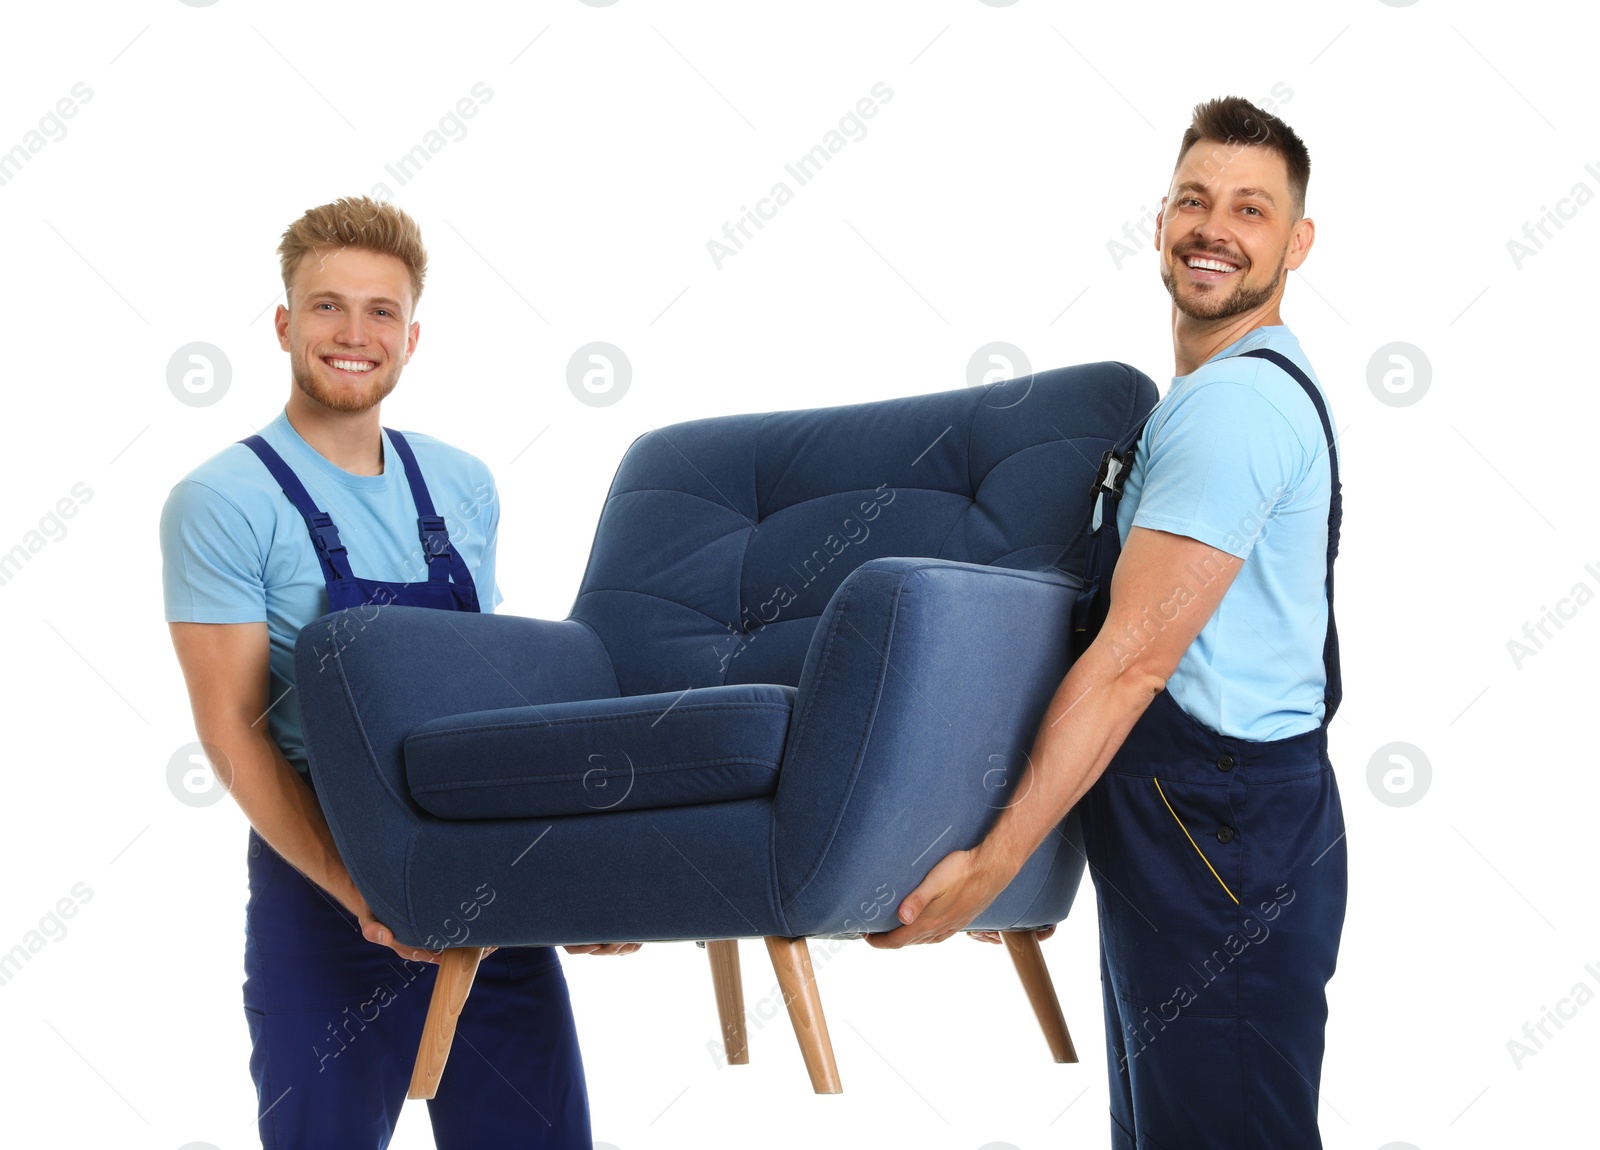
{"type": "Point", "coordinates": [1220, 307]}
{"type": "Point", "coordinates": [374, 394]}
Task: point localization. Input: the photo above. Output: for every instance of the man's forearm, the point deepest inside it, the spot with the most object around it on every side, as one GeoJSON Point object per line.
{"type": "Point", "coordinates": [1087, 720]}
{"type": "Point", "coordinates": [285, 812]}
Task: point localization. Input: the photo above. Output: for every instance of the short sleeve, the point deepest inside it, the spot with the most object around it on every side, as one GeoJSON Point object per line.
{"type": "Point", "coordinates": [1218, 467]}
{"type": "Point", "coordinates": [211, 567]}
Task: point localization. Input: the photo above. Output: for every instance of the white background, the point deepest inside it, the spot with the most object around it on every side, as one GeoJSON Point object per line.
{"type": "Point", "coordinates": [978, 207]}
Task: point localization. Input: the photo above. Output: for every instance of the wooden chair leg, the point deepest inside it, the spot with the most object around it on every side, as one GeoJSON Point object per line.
{"type": "Point", "coordinates": [1023, 946]}
{"type": "Point", "coordinates": [791, 959]}
{"type": "Point", "coordinates": [457, 968]}
{"type": "Point", "coordinates": [725, 977]}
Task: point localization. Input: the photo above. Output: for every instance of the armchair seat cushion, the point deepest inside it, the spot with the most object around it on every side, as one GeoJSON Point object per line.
{"type": "Point", "coordinates": [638, 752]}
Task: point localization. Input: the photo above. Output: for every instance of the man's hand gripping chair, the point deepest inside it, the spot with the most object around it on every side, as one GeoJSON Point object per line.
{"type": "Point", "coordinates": [807, 659]}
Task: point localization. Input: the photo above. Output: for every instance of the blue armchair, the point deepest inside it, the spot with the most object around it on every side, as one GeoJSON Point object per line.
{"type": "Point", "coordinates": [807, 659]}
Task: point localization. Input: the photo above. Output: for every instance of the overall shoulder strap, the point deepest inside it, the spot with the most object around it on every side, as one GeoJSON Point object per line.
{"type": "Point", "coordinates": [324, 535]}
{"type": "Point", "coordinates": [419, 487]}
{"type": "Point", "coordinates": [443, 559]}
{"type": "Point", "coordinates": [1115, 463]}
{"type": "Point", "coordinates": [1090, 603]}
{"type": "Point", "coordinates": [1334, 690]}
{"type": "Point", "coordinates": [1300, 377]}
{"type": "Point", "coordinates": [284, 474]}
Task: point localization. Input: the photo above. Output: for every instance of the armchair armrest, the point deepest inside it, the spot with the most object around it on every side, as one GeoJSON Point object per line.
{"type": "Point", "coordinates": [919, 701]}
{"type": "Point", "coordinates": [367, 676]}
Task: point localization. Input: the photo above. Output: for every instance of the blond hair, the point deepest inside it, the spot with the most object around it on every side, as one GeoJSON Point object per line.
{"type": "Point", "coordinates": [356, 222]}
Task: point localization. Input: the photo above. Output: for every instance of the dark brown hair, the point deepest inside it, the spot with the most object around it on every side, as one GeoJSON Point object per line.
{"type": "Point", "coordinates": [1236, 121]}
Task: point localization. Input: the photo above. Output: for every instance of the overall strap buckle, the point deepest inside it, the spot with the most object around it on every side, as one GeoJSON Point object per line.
{"type": "Point", "coordinates": [1112, 473]}
{"type": "Point", "coordinates": [435, 539]}
{"type": "Point", "coordinates": [1117, 461]}
{"type": "Point", "coordinates": [324, 534]}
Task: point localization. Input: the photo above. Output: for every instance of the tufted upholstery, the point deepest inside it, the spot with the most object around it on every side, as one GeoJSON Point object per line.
{"type": "Point", "coordinates": [722, 540]}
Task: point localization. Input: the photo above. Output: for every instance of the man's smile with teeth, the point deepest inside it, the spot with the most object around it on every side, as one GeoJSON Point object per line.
{"type": "Point", "coordinates": [357, 365]}
{"type": "Point", "coordinates": [1206, 263]}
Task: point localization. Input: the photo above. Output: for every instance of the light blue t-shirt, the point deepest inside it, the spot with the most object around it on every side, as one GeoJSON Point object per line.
{"type": "Point", "coordinates": [1234, 456]}
{"type": "Point", "coordinates": [235, 550]}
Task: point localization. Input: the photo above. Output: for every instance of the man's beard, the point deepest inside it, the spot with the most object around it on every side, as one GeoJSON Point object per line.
{"type": "Point", "coordinates": [373, 393]}
{"type": "Point", "coordinates": [1212, 305]}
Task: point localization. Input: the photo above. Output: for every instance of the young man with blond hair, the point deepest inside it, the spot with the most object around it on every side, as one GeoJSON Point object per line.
{"type": "Point", "coordinates": [326, 509]}
{"type": "Point", "coordinates": [1191, 733]}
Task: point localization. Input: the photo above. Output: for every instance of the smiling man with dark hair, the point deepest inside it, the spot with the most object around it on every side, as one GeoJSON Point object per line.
{"type": "Point", "coordinates": [1191, 731]}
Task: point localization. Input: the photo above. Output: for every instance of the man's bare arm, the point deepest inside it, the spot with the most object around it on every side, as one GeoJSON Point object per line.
{"type": "Point", "coordinates": [225, 666]}
{"type": "Point", "coordinates": [1164, 589]}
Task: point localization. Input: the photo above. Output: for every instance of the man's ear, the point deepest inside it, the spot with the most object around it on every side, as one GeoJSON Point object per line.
{"type": "Point", "coordinates": [280, 322]}
{"type": "Point", "coordinates": [1300, 240]}
{"type": "Point", "coordinates": [1161, 223]}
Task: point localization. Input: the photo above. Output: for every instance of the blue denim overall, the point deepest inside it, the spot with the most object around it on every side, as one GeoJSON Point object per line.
{"type": "Point", "coordinates": [1220, 880]}
{"type": "Point", "coordinates": [335, 1020]}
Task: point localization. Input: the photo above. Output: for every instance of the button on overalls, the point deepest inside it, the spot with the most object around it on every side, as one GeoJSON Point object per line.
{"type": "Point", "coordinates": [1220, 880]}
{"type": "Point", "coordinates": [334, 1019]}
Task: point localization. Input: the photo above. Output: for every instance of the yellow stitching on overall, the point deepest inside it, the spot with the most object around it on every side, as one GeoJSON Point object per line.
{"type": "Point", "coordinates": [1190, 837]}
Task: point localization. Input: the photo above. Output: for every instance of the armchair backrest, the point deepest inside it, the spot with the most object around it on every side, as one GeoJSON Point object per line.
{"type": "Point", "coordinates": [722, 540]}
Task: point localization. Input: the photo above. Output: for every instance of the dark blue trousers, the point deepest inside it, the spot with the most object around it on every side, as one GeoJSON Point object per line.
{"type": "Point", "coordinates": [1220, 877]}
{"type": "Point", "coordinates": [335, 1020]}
